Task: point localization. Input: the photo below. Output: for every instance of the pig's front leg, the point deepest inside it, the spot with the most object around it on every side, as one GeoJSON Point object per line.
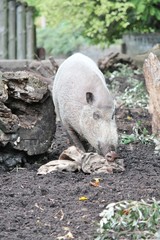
{"type": "Point", "coordinates": [75, 138]}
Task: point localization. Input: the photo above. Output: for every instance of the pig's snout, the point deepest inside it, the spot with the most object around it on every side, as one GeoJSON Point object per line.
{"type": "Point", "coordinates": [111, 156]}
{"type": "Point", "coordinates": [103, 149]}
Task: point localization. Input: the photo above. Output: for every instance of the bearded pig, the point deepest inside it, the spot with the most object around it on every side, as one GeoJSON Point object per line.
{"type": "Point", "coordinates": [84, 104]}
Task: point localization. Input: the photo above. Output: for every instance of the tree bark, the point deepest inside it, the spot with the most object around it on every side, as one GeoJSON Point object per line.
{"type": "Point", "coordinates": [151, 69]}
{"type": "Point", "coordinates": [27, 117]}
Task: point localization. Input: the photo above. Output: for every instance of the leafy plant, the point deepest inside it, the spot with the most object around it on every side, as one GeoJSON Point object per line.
{"type": "Point", "coordinates": [135, 96]}
{"type": "Point", "coordinates": [140, 133]}
{"type": "Point", "coordinates": [103, 21]}
{"type": "Point", "coordinates": [60, 40]}
{"type": "Point", "coordinates": [127, 220]}
{"type": "Point", "coordinates": [122, 70]}
{"type": "Point", "coordinates": [126, 138]}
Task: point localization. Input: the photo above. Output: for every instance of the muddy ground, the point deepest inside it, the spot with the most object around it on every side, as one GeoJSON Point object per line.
{"type": "Point", "coordinates": [48, 207]}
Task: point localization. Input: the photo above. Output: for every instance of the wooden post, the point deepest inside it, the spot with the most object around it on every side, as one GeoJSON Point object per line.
{"type": "Point", "coordinates": [30, 32]}
{"type": "Point", "coordinates": [35, 42]}
{"type": "Point", "coordinates": [11, 29]}
{"type": "Point", "coordinates": [21, 31]}
{"type": "Point", "coordinates": [151, 69]}
{"type": "Point", "coordinates": [3, 29]}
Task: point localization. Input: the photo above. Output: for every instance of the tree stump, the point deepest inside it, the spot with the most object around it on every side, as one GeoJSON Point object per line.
{"type": "Point", "coordinates": [27, 116]}
{"type": "Point", "coordinates": [151, 69]}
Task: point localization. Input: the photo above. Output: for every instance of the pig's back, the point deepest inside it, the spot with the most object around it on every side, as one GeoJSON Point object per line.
{"type": "Point", "coordinates": [77, 75]}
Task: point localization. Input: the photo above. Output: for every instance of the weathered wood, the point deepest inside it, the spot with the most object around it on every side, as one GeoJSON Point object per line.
{"type": "Point", "coordinates": [151, 69]}
{"type": "Point", "coordinates": [109, 62]}
{"type": "Point", "coordinates": [11, 29]}
{"type": "Point", "coordinates": [21, 31]}
{"type": "Point", "coordinates": [29, 33]}
{"type": "Point", "coordinates": [27, 117]}
{"type": "Point", "coordinates": [17, 30]}
{"type": "Point", "coordinates": [14, 65]}
{"type": "Point", "coordinates": [3, 29]}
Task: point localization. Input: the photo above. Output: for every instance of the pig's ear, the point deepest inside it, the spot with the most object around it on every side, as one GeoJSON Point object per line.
{"type": "Point", "coordinates": [89, 97]}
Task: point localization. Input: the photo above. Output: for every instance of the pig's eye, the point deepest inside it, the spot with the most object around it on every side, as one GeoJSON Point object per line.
{"type": "Point", "coordinates": [96, 115]}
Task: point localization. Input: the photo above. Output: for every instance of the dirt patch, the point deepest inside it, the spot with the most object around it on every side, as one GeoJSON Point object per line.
{"type": "Point", "coordinates": [47, 207]}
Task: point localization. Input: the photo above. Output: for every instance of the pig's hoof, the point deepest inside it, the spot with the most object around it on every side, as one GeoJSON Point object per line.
{"type": "Point", "coordinates": [111, 156]}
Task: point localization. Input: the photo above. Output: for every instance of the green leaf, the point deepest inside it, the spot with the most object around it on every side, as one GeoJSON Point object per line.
{"type": "Point", "coordinates": [136, 222]}
{"type": "Point", "coordinates": [103, 21]}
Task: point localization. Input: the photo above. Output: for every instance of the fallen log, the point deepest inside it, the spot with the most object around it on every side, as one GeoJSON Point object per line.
{"type": "Point", "coordinates": [110, 61]}
{"type": "Point", "coordinates": [27, 116]}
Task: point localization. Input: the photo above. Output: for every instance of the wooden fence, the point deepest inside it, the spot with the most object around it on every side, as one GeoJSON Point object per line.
{"type": "Point", "coordinates": [17, 30]}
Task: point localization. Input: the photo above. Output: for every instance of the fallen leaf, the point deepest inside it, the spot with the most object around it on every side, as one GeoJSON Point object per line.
{"type": "Point", "coordinates": [37, 206]}
{"type": "Point", "coordinates": [59, 215]}
{"type": "Point", "coordinates": [69, 235]}
{"type": "Point", "coordinates": [95, 184]}
{"type": "Point", "coordinates": [126, 211]}
{"type": "Point", "coordinates": [66, 229]}
{"type": "Point", "coordinates": [129, 118]}
{"type": "Point", "coordinates": [83, 198]}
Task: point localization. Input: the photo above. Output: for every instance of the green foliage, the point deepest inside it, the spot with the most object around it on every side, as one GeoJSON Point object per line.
{"type": "Point", "coordinates": [135, 95]}
{"type": "Point", "coordinates": [126, 138]}
{"type": "Point", "coordinates": [103, 21]}
{"type": "Point", "coordinates": [146, 17]}
{"type": "Point", "coordinates": [123, 70]}
{"type": "Point", "coordinates": [140, 134]}
{"type": "Point", "coordinates": [130, 220]}
{"type": "Point", "coordinates": [60, 40]}
{"type": "Point", "coordinates": [33, 3]}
